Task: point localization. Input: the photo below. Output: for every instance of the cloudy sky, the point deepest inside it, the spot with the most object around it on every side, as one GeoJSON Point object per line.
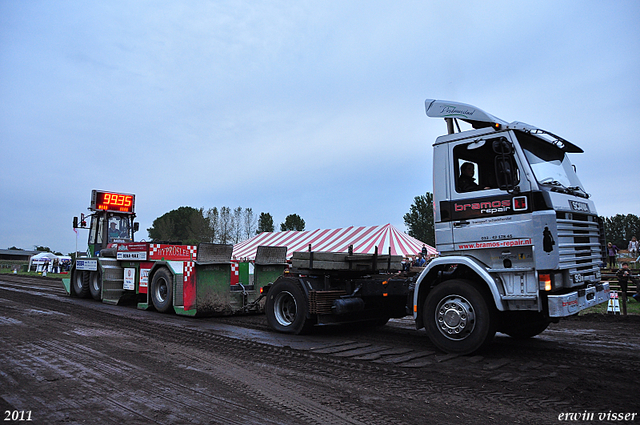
{"type": "Point", "coordinates": [307, 107]}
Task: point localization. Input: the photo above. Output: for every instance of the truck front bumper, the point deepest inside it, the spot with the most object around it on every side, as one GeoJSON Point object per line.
{"type": "Point", "coordinates": [573, 302]}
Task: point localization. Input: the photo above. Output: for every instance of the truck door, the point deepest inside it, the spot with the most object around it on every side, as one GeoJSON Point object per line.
{"type": "Point", "coordinates": [489, 194]}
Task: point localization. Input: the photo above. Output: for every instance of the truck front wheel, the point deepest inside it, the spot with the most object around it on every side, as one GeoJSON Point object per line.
{"type": "Point", "coordinates": [458, 317]}
{"type": "Point", "coordinates": [81, 283]}
{"type": "Point", "coordinates": [286, 308]}
{"type": "Point", "coordinates": [162, 290]}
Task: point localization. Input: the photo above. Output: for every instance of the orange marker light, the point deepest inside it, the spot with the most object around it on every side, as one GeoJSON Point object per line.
{"type": "Point", "coordinates": [546, 280]}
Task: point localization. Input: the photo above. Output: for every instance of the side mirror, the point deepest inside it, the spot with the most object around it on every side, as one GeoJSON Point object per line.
{"type": "Point", "coordinates": [506, 174]}
{"type": "Point", "coordinates": [75, 222]}
{"type": "Point", "coordinates": [136, 227]}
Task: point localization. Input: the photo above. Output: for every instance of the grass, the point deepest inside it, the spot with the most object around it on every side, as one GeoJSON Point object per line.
{"type": "Point", "coordinates": [34, 274]}
{"type": "Point", "coordinates": [633, 307]}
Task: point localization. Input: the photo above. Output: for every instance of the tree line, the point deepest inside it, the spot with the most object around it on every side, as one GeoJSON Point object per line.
{"type": "Point", "coordinates": [216, 225]}
{"type": "Point", "coordinates": [620, 228]}
{"type": "Point", "coordinates": [225, 225]}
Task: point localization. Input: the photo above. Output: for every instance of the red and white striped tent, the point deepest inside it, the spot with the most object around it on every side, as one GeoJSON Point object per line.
{"type": "Point", "coordinates": [363, 239]}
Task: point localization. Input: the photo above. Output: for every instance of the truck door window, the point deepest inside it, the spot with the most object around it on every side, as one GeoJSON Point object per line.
{"type": "Point", "coordinates": [475, 167]}
{"type": "Point", "coordinates": [467, 176]}
{"type": "Point", "coordinates": [96, 231]}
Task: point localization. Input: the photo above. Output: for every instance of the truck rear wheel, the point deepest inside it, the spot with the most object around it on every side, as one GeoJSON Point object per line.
{"type": "Point", "coordinates": [162, 290]}
{"type": "Point", "coordinates": [458, 317]}
{"type": "Point", "coordinates": [286, 308]}
{"type": "Point", "coordinates": [80, 283]}
{"type": "Point", "coordinates": [95, 285]}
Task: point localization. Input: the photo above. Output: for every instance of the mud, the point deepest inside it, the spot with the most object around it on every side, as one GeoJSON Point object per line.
{"type": "Point", "coordinates": [67, 360]}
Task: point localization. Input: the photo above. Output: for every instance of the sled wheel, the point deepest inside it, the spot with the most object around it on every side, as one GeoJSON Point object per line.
{"type": "Point", "coordinates": [162, 290]}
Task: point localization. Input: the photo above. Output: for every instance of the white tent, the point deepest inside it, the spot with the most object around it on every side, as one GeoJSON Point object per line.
{"type": "Point", "coordinates": [39, 260]}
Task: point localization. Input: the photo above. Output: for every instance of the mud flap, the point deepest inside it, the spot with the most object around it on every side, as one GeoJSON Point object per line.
{"type": "Point", "coordinates": [66, 282]}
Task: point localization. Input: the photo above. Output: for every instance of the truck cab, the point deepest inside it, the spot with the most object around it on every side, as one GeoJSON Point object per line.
{"type": "Point", "coordinates": [514, 223]}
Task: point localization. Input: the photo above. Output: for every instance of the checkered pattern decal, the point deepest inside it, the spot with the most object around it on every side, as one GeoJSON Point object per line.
{"type": "Point", "coordinates": [189, 285]}
{"type": "Point", "coordinates": [188, 270]}
{"type": "Point", "coordinates": [235, 275]}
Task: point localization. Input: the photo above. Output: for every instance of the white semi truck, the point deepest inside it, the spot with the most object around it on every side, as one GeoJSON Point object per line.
{"type": "Point", "coordinates": [519, 238]}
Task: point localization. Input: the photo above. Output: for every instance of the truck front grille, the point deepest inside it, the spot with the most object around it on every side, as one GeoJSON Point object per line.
{"type": "Point", "coordinates": [579, 244]}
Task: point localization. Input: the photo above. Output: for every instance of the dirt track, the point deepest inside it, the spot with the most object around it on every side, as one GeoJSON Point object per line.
{"type": "Point", "coordinates": [68, 360]}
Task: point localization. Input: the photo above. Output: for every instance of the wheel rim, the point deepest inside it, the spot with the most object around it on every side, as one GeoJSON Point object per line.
{"type": "Point", "coordinates": [455, 317]}
{"type": "Point", "coordinates": [285, 308]}
{"type": "Point", "coordinates": [161, 290]}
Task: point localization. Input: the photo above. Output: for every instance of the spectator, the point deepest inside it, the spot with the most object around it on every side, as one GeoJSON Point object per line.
{"type": "Point", "coordinates": [425, 251]}
{"type": "Point", "coordinates": [612, 251]}
{"type": "Point", "coordinates": [420, 261]}
{"type": "Point", "coordinates": [406, 264]}
{"type": "Point", "coordinates": [624, 276]}
{"type": "Point", "coordinates": [634, 247]}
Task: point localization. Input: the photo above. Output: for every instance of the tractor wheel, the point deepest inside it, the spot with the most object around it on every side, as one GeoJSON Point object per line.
{"type": "Point", "coordinates": [286, 308]}
{"type": "Point", "coordinates": [162, 290]}
{"type": "Point", "coordinates": [80, 282]}
{"type": "Point", "coordinates": [459, 317]}
{"type": "Point", "coordinates": [95, 285]}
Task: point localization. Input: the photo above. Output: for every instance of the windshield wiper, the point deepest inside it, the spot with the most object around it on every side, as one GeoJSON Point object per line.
{"type": "Point", "coordinates": [559, 187]}
{"type": "Point", "coordinates": [552, 182]}
{"type": "Point", "coordinates": [579, 191]}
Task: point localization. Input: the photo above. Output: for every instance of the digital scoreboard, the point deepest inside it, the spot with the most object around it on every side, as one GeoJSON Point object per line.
{"type": "Point", "coordinates": [111, 201]}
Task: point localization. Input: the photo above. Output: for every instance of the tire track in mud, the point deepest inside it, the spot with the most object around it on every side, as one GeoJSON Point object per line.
{"type": "Point", "coordinates": [99, 377]}
{"type": "Point", "coordinates": [309, 407]}
{"type": "Point", "coordinates": [107, 372]}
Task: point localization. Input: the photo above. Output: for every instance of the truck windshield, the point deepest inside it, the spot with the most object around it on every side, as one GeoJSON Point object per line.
{"type": "Point", "coordinates": [550, 165]}
{"type": "Point", "coordinates": [119, 229]}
